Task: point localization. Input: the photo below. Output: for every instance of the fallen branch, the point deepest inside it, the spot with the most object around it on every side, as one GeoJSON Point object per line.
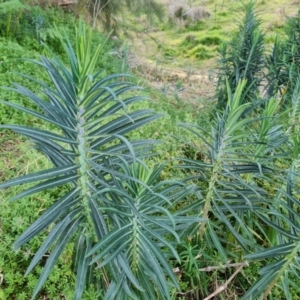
{"type": "Point", "coordinates": [224, 286]}
{"type": "Point", "coordinates": [212, 268]}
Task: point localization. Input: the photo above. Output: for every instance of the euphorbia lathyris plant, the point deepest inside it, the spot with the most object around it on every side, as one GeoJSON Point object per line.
{"type": "Point", "coordinates": [116, 209]}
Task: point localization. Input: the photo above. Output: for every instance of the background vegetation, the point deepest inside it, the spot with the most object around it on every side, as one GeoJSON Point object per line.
{"type": "Point", "coordinates": [233, 230]}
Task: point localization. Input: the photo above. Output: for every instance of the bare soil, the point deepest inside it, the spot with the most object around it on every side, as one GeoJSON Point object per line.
{"type": "Point", "coordinates": [190, 80]}
{"type": "Point", "coordinates": [197, 79]}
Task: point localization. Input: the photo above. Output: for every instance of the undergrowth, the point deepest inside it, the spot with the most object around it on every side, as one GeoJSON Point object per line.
{"type": "Point", "coordinates": [200, 151]}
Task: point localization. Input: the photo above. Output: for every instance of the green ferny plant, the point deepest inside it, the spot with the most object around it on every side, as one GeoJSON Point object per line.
{"type": "Point", "coordinates": [116, 209]}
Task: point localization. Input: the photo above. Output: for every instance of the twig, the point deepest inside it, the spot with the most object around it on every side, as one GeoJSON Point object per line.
{"type": "Point", "coordinates": [224, 286]}
{"type": "Point", "coordinates": [212, 268]}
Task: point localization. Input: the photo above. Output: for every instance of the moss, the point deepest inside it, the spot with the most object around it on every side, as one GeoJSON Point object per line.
{"type": "Point", "coordinates": [170, 52]}
{"type": "Point", "coordinates": [222, 14]}
{"type": "Point", "coordinates": [216, 27]}
{"type": "Point", "coordinates": [211, 40]}
{"type": "Point", "coordinates": [192, 40]}
{"type": "Point", "coordinates": [196, 26]}
{"type": "Point", "coordinates": [201, 52]}
{"type": "Point", "coordinates": [189, 42]}
{"type": "Point", "coordinates": [270, 39]}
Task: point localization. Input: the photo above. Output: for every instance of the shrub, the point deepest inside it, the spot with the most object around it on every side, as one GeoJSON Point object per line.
{"type": "Point", "coordinates": [242, 58]}
{"type": "Point", "coordinates": [113, 207]}
{"type": "Point", "coordinates": [249, 192]}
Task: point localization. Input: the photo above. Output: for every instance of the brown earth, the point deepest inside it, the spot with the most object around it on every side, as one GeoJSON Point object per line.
{"type": "Point", "coordinates": [190, 83]}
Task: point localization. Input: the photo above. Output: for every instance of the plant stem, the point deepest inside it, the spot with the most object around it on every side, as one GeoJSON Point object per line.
{"type": "Point", "coordinates": [289, 259]}
{"type": "Point", "coordinates": [83, 180]}
{"type": "Point", "coordinates": [209, 196]}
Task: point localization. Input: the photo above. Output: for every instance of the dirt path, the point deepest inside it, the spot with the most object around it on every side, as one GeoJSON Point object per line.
{"type": "Point", "coordinates": [193, 80]}
{"type": "Point", "coordinates": [190, 83]}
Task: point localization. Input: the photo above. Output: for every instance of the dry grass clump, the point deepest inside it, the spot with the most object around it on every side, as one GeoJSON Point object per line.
{"type": "Point", "coordinates": [198, 13]}
{"type": "Point", "coordinates": [183, 15]}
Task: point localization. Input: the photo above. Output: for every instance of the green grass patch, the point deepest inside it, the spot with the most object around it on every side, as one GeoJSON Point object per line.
{"type": "Point", "coordinates": [201, 52]}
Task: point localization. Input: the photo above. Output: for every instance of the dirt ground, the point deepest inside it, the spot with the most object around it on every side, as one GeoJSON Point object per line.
{"type": "Point", "coordinates": [189, 83]}
{"type": "Point", "coordinates": [191, 79]}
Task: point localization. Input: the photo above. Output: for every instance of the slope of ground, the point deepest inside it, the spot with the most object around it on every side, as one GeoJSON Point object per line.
{"type": "Point", "coordinates": [179, 52]}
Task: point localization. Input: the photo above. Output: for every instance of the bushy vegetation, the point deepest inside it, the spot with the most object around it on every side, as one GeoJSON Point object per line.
{"type": "Point", "coordinates": [128, 198]}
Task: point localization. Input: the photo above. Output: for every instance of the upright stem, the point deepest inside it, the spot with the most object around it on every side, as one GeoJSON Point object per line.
{"type": "Point", "coordinates": [289, 258]}
{"type": "Point", "coordinates": [83, 180]}
{"type": "Point", "coordinates": [217, 168]}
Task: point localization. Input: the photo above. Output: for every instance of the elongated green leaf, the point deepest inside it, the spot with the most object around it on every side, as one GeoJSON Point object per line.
{"type": "Point", "coordinates": [142, 144]}
{"type": "Point", "coordinates": [113, 290]}
{"type": "Point", "coordinates": [98, 218]}
{"type": "Point", "coordinates": [49, 216]}
{"type": "Point", "coordinates": [123, 129]}
{"type": "Point", "coordinates": [64, 238]}
{"type": "Point", "coordinates": [54, 155]}
{"type": "Point", "coordinates": [56, 112]}
{"type": "Point", "coordinates": [39, 176]}
{"type": "Point", "coordinates": [63, 111]}
{"type": "Point", "coordinates": [160, 258]}
{"type": "Point", "coordinates": [216, 241]}
{"type": "Point", "coordinates": [40, 116]}
{"type": "Point", "coordinates": [121, 104]}
{"type": "Point", "coordinates": [65, 88]}
{"type": "Point", "coordinates": [118, 238]}
{"type": "Point", "coordinates": [273, 267]}
{"type": "Point", "coordinates": [110, 237]}
{"type": "Point", "coordinates": [51, 238]}
{"type": "Point", "coordinates": [101, 82]}
{"type": "Point", "coordinates": [83, 246]}
{"type": "Point", "coordinates": [257, 289]}
{"type": "Point", "coordinates": [128, 272]}
{"type": "Point", "coordinates": [163, 241]}
{"type": "Point", "coordinates": [148, 285]}
{"type": "Point", "coordinates": [279, 250]}
{"type": "Point", "coordinates": [109, 258]}
{"type": "Point", "coordinates": [46, 185]}
{"type": "Point", "coordinates": [33, 132]}
{"type": "Point", "coordinates": [121, 121]}
{"type": "Point", "coordinates": [277, 227]}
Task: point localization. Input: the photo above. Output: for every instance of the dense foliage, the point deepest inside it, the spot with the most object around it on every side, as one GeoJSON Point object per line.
{"type": "Point", "coordinates": [109, 212]}
{"type": "Point", "coordinates": [242, 58]}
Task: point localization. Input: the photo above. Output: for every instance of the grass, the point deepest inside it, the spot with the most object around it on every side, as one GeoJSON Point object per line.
{"type": "Point", "coordinates": [17, 158]}
{"type": "Point", "coordinates": [175, 41]}
{"type": "Point", "coordinates": [196, 45]}
{"type": "Point", "coordinates": [174, 50]}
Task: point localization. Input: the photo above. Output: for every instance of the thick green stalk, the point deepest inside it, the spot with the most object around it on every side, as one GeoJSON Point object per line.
{"type": "Point", "coordinates": [83, 180]}
{"type": "Point", "coordinates": [135, 246]}
{"type": "Point", "coordinates": [217, 168]}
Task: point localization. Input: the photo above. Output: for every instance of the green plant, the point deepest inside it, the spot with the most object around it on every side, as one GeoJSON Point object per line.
{"type": "Point", "coordinates": [10, 13]}
{"type": "Point", "coordinates": [277, 75]}
{"type": "Point", "coordinates": [283, 62]}
{"type": "Point", "coordinates": [17, 152]}
{"type": "Point", "coordinates": [248, 196]}
{"type": "Point", "coordinates": [242, 58]}
{"type": "Point", "coordinates": [291, 54]}
{"type": "Point", "coordinates": [190, 256]}
{"type": "Point", "coordinates": [223, 156]}
{"type": "Point", "coordinates": [115, 209]}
